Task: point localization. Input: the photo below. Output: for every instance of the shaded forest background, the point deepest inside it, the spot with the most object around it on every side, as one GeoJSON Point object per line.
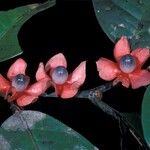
{"type": "Point", "coordinates": [71, 27]}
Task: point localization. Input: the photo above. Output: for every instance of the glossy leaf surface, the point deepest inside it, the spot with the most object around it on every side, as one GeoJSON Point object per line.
{"type": "Point", "coordinates": [10, 24]}
{"type": "Point", "coordinates": [125, 17]}
{"type": "Point", "coordinates": [146, 115]}
{"type": "Point", "coordinates": [36, 130]}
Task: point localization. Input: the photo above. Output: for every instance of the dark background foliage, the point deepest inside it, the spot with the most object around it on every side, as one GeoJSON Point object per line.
{"type": "Point", "coordinates": [71, 27]}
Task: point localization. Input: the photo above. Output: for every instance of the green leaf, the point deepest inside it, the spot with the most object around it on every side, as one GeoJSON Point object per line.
{"type": "Point", "coordinates": [10, 24]}
{"type": "Point", "coordinates": [125, 17]}
{"type": "Point", "coordinates": [36, 130]}
{"type": "Point", "coordinates": [146, 115]}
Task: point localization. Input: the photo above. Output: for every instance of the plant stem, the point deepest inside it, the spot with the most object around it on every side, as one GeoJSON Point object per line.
{"type": "Point", "coordinates": [95, 96]}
